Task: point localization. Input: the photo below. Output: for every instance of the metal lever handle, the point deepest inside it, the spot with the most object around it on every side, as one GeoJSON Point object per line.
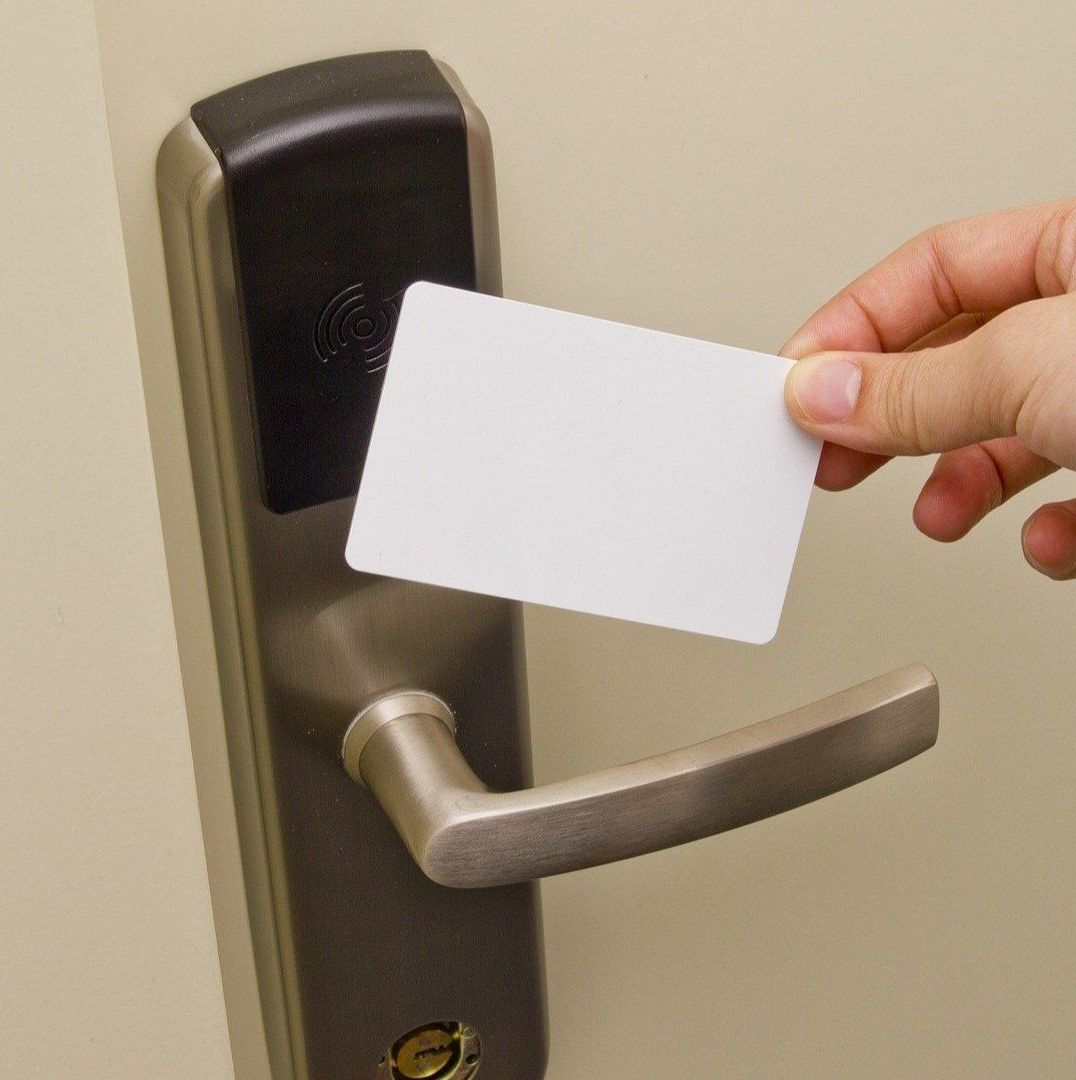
{"type": "Point", "coordinates": [403, 748]}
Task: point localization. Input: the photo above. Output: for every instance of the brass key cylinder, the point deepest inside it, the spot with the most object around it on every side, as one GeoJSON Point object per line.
{"type": "Point", "coordinates": [445, 1050]}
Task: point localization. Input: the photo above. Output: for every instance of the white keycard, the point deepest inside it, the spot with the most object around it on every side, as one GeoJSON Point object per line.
{"type": "Point", "coordinates": [543, 456]}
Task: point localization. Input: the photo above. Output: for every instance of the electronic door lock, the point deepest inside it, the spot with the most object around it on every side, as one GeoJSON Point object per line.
{"type": "Point", "coordinates": [295, 209]}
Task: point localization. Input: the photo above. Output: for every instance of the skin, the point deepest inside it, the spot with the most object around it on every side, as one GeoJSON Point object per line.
{"type": "Point", "coordinates": [962, 343]}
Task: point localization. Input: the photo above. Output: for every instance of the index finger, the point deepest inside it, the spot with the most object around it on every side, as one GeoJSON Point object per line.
{"type": "Point", "coordinates": [984, 263]}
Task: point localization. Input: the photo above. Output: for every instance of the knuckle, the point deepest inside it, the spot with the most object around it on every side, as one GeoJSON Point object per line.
{"type": "Point", "coordinates": [1005, 361]}
{"type": "Point", "coordinates": [1046, 418]}
{"type": "Point", "coordinates": [898, 397]}
{"type": "Point", "coordinates": [993, 369]}
{"type": "Point", "coordinates": [989, 473]}
{"type": "Point", "coordinates": [1055, 256]}
{"type": "Point", "coordinates": [1029, 375]}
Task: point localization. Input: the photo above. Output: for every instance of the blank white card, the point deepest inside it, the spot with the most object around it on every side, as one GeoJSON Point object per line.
{"type": "Point", "coordinates": [559, 459]}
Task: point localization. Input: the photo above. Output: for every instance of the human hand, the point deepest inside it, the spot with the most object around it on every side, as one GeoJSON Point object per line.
{"type": "Point", "coordinates": [963, 342]}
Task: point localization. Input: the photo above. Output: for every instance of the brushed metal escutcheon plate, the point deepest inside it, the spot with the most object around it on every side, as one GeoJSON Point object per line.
{"type": "Point", "coordinates": [353, 944]}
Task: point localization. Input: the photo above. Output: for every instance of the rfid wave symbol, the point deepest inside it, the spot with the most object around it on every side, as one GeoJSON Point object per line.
{"type": "Point", "coordinates": [348, 322]}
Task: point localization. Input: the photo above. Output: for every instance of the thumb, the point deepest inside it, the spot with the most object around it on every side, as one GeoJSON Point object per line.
{"type": "Point", "coordinates": [1014, 376]}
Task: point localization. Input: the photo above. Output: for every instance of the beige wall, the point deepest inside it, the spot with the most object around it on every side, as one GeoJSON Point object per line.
{"type": "Point", "coordinates": [717, 170]}
{"type": "Point", "coordinates": [108, 969]}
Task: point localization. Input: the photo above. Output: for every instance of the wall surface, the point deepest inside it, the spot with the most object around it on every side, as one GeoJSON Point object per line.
{"type": "Point", "coordinates": [718, 170]}
{"type": "Point", "coordinates": [108, 968]}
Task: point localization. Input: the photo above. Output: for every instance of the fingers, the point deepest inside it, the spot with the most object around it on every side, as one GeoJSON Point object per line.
{"type": "Point", "coordinates": [933, 286]}
{"type": "Point", "coordinates": [840, 468]}
{"type": "Point", "coordinates": [955, 330]}
{"type": "Point", "coordinates": [997, 400]}
{"type": "Point", "coordinates": [985, 263]}
{"type": "Point", "coordinates": [968, 483]}
{"type": "Point", "coordinates": [929, 292]}
{"type": "Point", "coordinates": [1015, 376]}
{"type": "Point", "coordinates": [1049, 540]}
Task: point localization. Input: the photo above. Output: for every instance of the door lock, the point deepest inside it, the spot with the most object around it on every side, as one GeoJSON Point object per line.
{"type": "Point", "coordinates": [446, 1050]}
{"type": "Point", "coordinates": [295, 209]}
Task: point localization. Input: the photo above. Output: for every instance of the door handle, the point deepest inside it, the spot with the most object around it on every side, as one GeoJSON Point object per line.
{"type": "Point", "coordinates": [402, 747]}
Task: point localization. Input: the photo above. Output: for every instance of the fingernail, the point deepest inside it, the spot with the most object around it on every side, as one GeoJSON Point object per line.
{"type": "Point", "coordinates": [1062, 564]}
{"type": "Point", "coordinates": [826, 388]}
{"type": "Point", "coordinates": [1023, 544]}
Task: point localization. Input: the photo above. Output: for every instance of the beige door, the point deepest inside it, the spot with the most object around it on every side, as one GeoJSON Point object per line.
{"type": "Point", "coordinates": [716, 170]}
{"type": "Point", "coordinates": [108, 969]}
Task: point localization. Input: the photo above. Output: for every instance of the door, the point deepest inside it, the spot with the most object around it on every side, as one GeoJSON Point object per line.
{"type": "Point", "coordinates": [108, 965]}
{"type": "Point", "coordinates": [718, 171]}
